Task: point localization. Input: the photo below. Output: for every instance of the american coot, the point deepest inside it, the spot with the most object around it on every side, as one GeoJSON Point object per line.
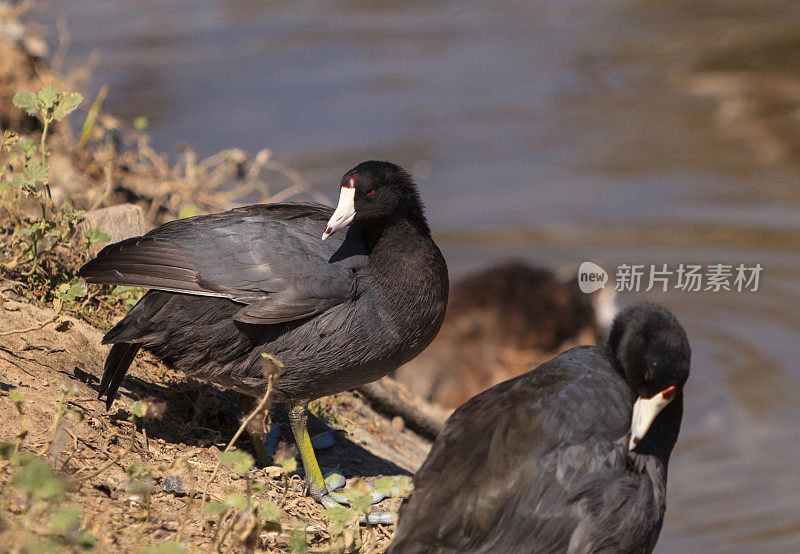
{"type": "Point", "coordinates": [500, 322]}
{"type": "Point", "coordinates": [570, 457]}
{"type": "Point", "coordinates": [339, 310]}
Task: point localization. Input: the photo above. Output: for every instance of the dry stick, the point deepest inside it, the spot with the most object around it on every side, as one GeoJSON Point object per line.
{"type": "Point", "coordinates": [28, 329]}
{"type": "Point", "coordinates": [258, 409]}
{"type": "Point", "coordinates": [54, 428]}
{"type": "Point", "coordinates": [91, 117]}
{"type": "Point", "coordinates": [112, 461]}
{"type": "Point", "coordinates": [295, 176]}
{"type": "Point", "coordinates": [189, 503]}
{"type": "Point", "coordinates": [390, 396]}
{"type": "Point", "coordinates": [107, 178]}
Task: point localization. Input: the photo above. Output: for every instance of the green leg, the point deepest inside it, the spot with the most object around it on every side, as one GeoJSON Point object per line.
{"type": "Point", "coordinates": [318, 488]}
{"type": "Point", "coordinates": [298, 419]}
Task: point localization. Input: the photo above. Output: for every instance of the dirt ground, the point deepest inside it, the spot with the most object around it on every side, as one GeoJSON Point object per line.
{"type": "Point", "coordinates": [92, 449]}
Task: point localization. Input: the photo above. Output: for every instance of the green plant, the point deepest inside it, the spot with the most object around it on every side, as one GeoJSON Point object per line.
{"type": "Point", "coordinates": [25, 178]}
{"type": "Point", "coordinates": [43, 248]}
{"type": "Point", "coordinates": [47, 520]}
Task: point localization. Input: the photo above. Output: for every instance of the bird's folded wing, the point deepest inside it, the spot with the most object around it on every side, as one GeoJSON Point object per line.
{"type": "Point", "coordinates": [268, 257]}
{"type": "Point", "coordinates": [498, 463]}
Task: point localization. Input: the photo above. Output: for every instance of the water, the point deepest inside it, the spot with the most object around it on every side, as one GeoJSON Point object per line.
{"type": "Point", "coordinates": [643, 132]}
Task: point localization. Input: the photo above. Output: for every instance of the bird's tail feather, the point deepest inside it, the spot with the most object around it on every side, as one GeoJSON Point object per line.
{"type": "Point", "coordinates": [117, 363]}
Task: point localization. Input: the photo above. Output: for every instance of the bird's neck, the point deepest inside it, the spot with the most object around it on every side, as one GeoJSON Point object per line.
{"type": "Point", "coordinates": [389, 233]}
{"type": "Point", "coordinates": [410, 273]}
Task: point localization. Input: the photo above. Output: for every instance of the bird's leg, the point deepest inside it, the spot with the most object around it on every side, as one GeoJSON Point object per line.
{"type": "Point", "coordinates": [259, 451]}
{"type": "Point", "coordinates": [318, 485]}
{"type": "Point", "coordinates": [298, 419]}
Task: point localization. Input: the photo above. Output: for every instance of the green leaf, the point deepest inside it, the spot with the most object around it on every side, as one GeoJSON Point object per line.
{"type": "Point", "coordinates": [48, 95]}
{"type": "Point", "coordinates": [26, 101]}
{"type": "Point", "coordinates": [93, 236]}
{"type": "Point", "coordinates": [16, 397]}
{"type": "Point", "coordinates": [297, 542]}
{"type": "Point", "coordinates": [169, 547]}
{"type": "Point", "coordinates": [26, 231]}
{"type": "Point", "coordinates": [404, 486]}
{"type": "Point", "coordinates": [257, 485]}
{"type": "Point", "coordinates": [273, 359]}
{"type": "Point", "coordinates": [338, 513]}
{"type": "Point", "coordinates": [37, 479]}
{"type": "Point", "coordinates": [335, 528]}
{"type": "Point", "coordinates": [40, 546]}
{"type": "Point", "coordinates": [214, 507]}
{"type": "Point", "coordinates": [64, 521]}
{"type": "Point", "coordinates": [27, 147]}
{"type": "Point", "coordinates": [396, 486]}
{"type": "Point", "coordinates": [36, 171]}
{"type": "Point", "coordinates": [140, 123]}
{"type": "Point", "coordinates": [7, 450]}
{"type": "Point", "coordinates": [360, 502]}
{"type": "Point", "coordinates": [241, 461]}
{"type": "Point", "coordinates": [67, 102]}
{"type": "Point", "coordinates": [187, 211]}
{"type": "Point", "coordinates": [18, 180]}
{"type": "Point", "coordinates": [269, 511]}
{"type": "Point", "coordinates": [136, 471]}
{"type": "Point", "coordinates": [384, 484]}
{"type": "Point", "coordinates": [236, 501]}
{"type": "Point", "coordinates": [139, 409]}
{"type": "Point", "coordinates": [68, 293]}
{"type": "Point", "coordinates": [86, 540]}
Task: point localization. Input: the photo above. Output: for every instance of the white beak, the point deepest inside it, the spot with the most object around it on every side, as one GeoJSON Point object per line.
{"type": "Point", "coordinates": [344, 214]}
{"type": "Point", "coordinates": [645, 411]}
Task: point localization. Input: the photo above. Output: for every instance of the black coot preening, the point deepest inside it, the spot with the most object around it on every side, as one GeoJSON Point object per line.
{"type": "Point", "coordinates": [338, 313]}
{"type": "Point", "coordinates": [570, 457]}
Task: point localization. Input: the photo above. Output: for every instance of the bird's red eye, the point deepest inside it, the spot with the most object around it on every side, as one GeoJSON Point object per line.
{"type": "Point", "coordinates": [371, 192]}
{"type": "Point", "coordinates": [350, 183]}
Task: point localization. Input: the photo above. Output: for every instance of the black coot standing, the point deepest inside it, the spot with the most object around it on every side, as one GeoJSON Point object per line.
{"type": "Point", "coordinates": [228, 287]}
{"type": "Point", "coordinates": [570, 457]}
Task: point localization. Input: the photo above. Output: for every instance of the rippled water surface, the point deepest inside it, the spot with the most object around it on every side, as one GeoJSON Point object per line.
{"type": "Point", "coordinates": [644, 132]}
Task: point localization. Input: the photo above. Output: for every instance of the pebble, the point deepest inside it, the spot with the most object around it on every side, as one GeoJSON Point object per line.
{"type": "Point", "coordinates": [173, 484]}
{"type": "Point", "coordinates": [398, 423]}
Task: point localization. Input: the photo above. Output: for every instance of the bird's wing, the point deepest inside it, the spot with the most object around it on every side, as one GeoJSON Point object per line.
{"type": "Point", "coordinates": [499, 473]}
{"type": "Point", "coordinates": [270, 258]}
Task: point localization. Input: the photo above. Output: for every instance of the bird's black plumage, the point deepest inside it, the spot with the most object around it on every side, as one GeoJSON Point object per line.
{"type": "Point", "coordinates": [258, 279]}
{"type": "Point", "coordinates": [541, 463]}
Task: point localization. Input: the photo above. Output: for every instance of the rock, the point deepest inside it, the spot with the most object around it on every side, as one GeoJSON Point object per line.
{"type": "Point", "coordinates": [173, 484]}
{"type": "Point", "coordinates": [118, 222]}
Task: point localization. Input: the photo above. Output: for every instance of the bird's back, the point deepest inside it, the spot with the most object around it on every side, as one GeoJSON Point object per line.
{"type": "Point", "coordinates": [535, 464]}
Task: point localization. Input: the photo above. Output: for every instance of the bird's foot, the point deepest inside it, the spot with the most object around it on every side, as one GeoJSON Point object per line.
{"type": "Point", "coordinates": [331, 499]}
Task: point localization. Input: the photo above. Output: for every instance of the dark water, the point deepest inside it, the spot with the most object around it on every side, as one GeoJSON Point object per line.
{"type": "Point", "coordinates": [643, 132]}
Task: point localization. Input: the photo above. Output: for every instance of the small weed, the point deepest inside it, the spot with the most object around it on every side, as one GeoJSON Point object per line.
{"type": "Point", "coordinates": [49, 522]}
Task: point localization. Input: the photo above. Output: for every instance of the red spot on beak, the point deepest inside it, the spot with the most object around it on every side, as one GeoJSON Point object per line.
{"type": "Point", "coordinates": [669, 393]}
